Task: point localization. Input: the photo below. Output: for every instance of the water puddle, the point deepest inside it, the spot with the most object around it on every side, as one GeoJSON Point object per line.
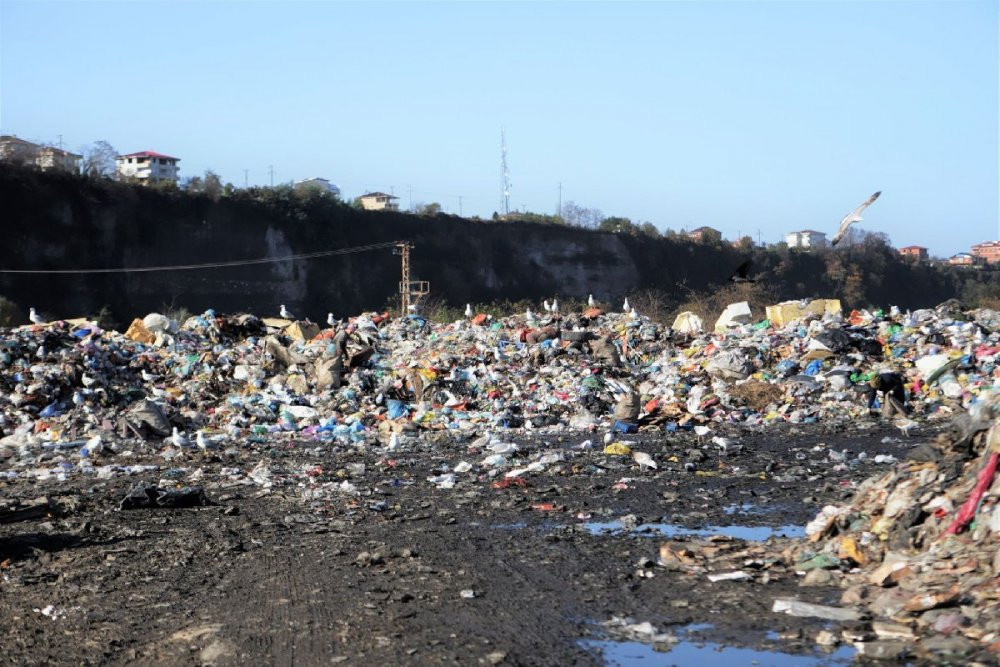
{"type": "Point", "coordinates": [626, 654]}
{"type": "Point", "coordinates": [750, 533]}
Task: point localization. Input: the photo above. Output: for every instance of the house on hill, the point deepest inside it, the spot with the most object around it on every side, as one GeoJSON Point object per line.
{"type": "Point", "coordinates": [46, 158]}
{"type": "Point", "coordinates": [807, 238]}
{"type": "Point", "coordinates": [701, 232]}
{"type": "Point", "coordinates": [378, 201]}
{"type": "Point", "coordinates": [147, 167]}
{"type": "Point", "coordinates": [988, 251]}
{"type": "Point", "coordinates": [915, 252]}
{"type": "Point", "coordinates": [963, 259]}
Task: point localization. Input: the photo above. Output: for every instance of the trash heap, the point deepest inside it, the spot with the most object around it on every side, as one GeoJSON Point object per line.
{"type": "Point", "coordinates": [917, 547]}
{"type": "Point", "coordinates": [72, 394]}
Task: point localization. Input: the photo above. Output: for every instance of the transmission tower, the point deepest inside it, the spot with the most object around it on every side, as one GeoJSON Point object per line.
{"type": "Point", "coordinates": [505, 201]}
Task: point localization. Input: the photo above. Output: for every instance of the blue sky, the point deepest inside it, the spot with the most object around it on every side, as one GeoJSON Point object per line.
{"type": "Point", "coordinates": [746, 116]}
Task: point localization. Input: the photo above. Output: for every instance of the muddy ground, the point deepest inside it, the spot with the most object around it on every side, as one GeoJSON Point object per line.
{"type": "Point", "coordinates": [266, 577]}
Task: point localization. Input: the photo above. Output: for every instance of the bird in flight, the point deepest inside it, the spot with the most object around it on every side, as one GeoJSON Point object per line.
{"type": "Point", "coordinates": [742, 273]}
{"type": "Point", "coordinates": [852, 217]}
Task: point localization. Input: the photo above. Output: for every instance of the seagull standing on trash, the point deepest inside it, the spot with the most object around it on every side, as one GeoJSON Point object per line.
{"type": "Point", "coordinates": [590, 300]}
{"type": "Point", "coordinates": [905, 425]}
{"type": "Point", "coordinates": [529, 316]}
{"type": "Point", "coordinates": [202, 441]}
{"type": "Point", "coordinates": [393, 441]}
{"type": "Point", "coordinates": [468, 310]}
{"type": "Point", "coordinates": [177, 440]}
{"type": "Point", "coordinates": [644, 460]}
{"type": "Point", "coordinates": [555, 305]}
{"type": "Point", "coordinates": [852, 217]}
{"type": "Point", "coordinates": [329, 319]}
{"type": "Point", "coordinates": [35, 317]}
{"type": "Point", "coordinates": [285, 314]}
{"type": "Point", "coordinates": [625, 306]}
{"type": "Point", "coordinates": [701, 431]}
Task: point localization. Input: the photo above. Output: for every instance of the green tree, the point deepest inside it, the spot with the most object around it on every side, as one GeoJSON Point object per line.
{"type": "Point", "coordinates": [212, 185]}
{"type": "Point", "coordinates": [427, 209]}
{"type": "Point", "coordinates": [617, 225]}
{"type": "Point", "coordinates": [649, 229]}
{"type": "Point", "coordinates": [711, 237]}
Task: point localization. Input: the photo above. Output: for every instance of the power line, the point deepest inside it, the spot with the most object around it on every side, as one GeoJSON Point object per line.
{"type": "Point", "coordinates": [211, 265]}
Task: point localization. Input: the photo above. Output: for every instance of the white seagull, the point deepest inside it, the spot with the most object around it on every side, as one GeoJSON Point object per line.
{"type": "Point", "coordinates": [285, 314]}
{"type": "Point", "coordinates": [546, 306]}
{"type": "Point", "coordinates": [202, 442]}
{"type": "Point", "coordinates": [468, 310]}
{"type": "Point", "coordinates": [852, 217]}
{"type": "Point", "coordinates": [529, 316]}
{"type": "Point", "coordinates": [178, 440]}
{"type": "Point", "coordinates": [644, 460]}
{"type": "Point", "coordinates": [625, 306]}
{"type": "Point", "coordinates": [590, 300]}
{"type": "Point", "coordinates": [35, 317]}
{"type": "Point", "coordinates": [393, 441]}
{"type": "Point", "coordinates": [701, 431]}
{"type": "Point", "coordinates": [330, 320]}
{"type": "Point", "coordinates": [555, 305]}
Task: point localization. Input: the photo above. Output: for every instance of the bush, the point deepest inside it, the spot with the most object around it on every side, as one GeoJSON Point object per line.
{"type": "Point", "coordinates": [11, 314]}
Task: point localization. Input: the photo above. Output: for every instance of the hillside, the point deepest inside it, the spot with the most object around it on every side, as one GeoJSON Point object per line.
{"type": "Point", "coordinates": [60, 221]}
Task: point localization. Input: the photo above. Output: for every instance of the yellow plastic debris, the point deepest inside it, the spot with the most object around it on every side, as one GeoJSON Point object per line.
{"type": "Point", "coordinates": [618, 449]}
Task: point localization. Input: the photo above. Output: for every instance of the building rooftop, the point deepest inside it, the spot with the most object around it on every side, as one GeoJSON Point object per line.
{"type": "Point", "coordinates": [149, 154]}
{"type": "Point", "coordinates": [913, 247]}
{"type": "Point", "coordinates": [808, 231]}
{"type": "Point", "coordinates": [379, 194]}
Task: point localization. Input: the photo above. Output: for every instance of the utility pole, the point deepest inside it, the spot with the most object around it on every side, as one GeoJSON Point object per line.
{"type": "Point", "coordinates": [270, 170]}
{"type": "Point", "coordinates": [460, 206]}
{"type": "Point", "coordinates": [504, 173]}
{"type": "Point", "coordinates": [60, 141]}
{"type": "Point", "coordinates": [409, 190]}
{"type": "Point", "coordinates": [559, 207]}
{"type": "Point", "coordinates": [408, 288]}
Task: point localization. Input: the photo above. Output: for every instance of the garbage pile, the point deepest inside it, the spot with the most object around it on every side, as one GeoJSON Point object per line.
{"type": "Point", "coordinates": [917, 547]}
{"type": "Point", "coordinates": [74, 396]}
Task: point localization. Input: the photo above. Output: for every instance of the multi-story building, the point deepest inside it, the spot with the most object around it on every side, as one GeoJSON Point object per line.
{"type": "Point", "coordinates": [807, 238]}
{"type": "Point", "coordinates": [915, 252]}
{"type": "Point", "coordinates": [379, 201]}
{"type": "Point", "coordinates": [13, 149]}
{"type": "Point", "coordinates": [962, 259]}
{"type": "Point", "coordinates": [147, 167]}
{"type": "Point", "coordinates": [989, 251]}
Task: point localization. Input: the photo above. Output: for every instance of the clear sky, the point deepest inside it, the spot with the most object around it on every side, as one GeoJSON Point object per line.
{"type": "Point", "coordinates": [746, 116]}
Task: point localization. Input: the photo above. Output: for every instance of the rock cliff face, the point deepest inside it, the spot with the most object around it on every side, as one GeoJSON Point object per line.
{"type": "Point", "coordinates": [52, 221]}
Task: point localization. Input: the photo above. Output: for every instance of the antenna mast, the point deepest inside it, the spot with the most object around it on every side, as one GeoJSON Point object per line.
{"type": "Point", "coordinates": [505, 201]}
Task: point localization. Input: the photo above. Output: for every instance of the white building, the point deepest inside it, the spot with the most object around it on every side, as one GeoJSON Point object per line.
{"type": "Point", "coordinates": [320, 184]}
{"type": "Point", "coordinates": [807, 238]}
{"type": "Point", "coordinates": [147, 166]}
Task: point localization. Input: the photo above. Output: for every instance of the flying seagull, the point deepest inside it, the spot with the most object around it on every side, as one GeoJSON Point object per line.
{"type": "Point", "coordinates": [742, 273]}
{"type": "Point", "coordinates": [852, 217]}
